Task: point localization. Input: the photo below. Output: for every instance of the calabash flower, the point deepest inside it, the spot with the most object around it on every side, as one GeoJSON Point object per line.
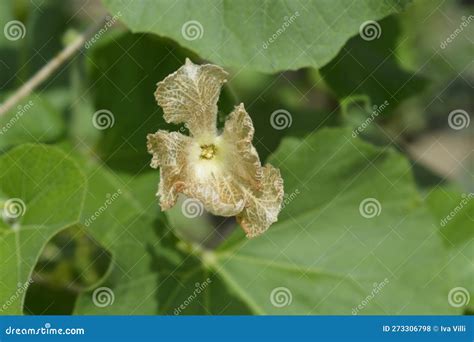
{"type": "Point", "coordinates": [220, 169]}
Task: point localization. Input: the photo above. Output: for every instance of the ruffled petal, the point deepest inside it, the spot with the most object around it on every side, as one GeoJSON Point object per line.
{"type": "Point", "coordinates": [220, 195]}
{"type": "Point", "coordinates": [190, 96]}
{"type": "Point", "coordinates": [242, 155]}
{"type": "Point", "coordinates": [262, 208]}
{"type": "Point", "coordinates": [169, 152]}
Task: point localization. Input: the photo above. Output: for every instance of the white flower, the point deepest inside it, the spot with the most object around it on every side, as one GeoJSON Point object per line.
{"type": "Point", "coordinates": [220, 169]}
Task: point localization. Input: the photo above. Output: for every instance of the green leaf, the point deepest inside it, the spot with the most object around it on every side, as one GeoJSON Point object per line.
{"type": "Point", "coordinates": [323, 253]}
{"type": "Point", "coordinates": [197, 291]}
{"type": "Point", "coordinates": [264, 36]}
{"type": "Point", "coordinates": [49, 190]}
{"type": "Point", "coordinates": [369, 68]}
{"type": "Point", "coordinates": [124, 218]}
{"type": "Point", "coordinates": [116, 211]}
{"type": "Point", "coordinates": [454, 214]}
{"type": "Point", "coordinates": [33, 120]}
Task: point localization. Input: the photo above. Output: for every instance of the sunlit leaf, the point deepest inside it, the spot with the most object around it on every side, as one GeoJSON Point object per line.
{"type": "Point", "coordinates": [267, 37]}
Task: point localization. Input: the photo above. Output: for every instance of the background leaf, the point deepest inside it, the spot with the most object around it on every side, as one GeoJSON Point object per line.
{"type": "Point", "coordinates": [132, 231]}
{"type": "Point", "coordinates": [235, 33]}
{"type": "Point", "coordinates": [22, 124]}
{"type": "Point", "coordinates": [323, 251]}
{"type": "Point", "coordinates": [454, 214]}
{"type": "Point", "coordinates": [52, 189]}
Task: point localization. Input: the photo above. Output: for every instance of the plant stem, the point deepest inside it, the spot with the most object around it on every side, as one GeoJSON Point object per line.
{"type": "Point", "coordinates": [46, 71]}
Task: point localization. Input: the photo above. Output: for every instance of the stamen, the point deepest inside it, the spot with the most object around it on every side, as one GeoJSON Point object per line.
{"type": "Point", "coordinates": [208, 151]}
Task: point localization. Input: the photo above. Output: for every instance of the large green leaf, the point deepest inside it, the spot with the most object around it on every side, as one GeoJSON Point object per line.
{"type": "Point", "coordinates": [455, 216]}
{"type": "Point", "coordinates": [190, 288]}
{"type": "Point", "coordinates": [265, 36]}
{"type": "Point", "coordinates": [113, 211]}
{"type": "Point", "coordinates": [48, 190]}
{"type": "Point", "coordinates": [323, 253]}
{"type": "Point", "coordinates": [133, 232]}
{"type": "Point", "coordinates": [33, 120]}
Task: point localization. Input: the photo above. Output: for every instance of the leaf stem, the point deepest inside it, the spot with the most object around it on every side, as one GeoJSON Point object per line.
{"type": "Point", "coordinates": [46, 71]}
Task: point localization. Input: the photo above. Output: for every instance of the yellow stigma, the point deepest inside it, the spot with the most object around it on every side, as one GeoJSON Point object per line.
{"type": "Point", "coordinates": [208, 151]}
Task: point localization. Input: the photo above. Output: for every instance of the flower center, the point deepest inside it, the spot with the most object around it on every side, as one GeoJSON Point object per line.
{"type": "Point", "coordinates": [208, 151]}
